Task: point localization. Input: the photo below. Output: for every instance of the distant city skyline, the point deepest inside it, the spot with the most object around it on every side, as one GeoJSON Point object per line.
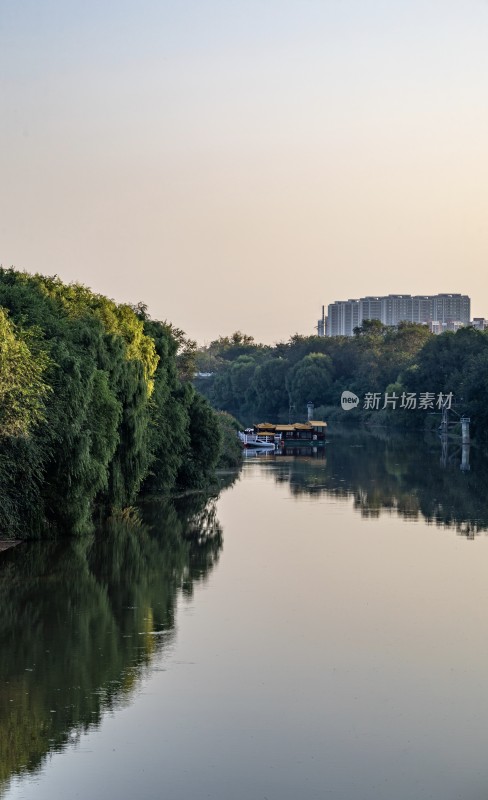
{"type": "Point", "coordinates": [441, 311]}
{"type": "Point", "coordinates": [192, 155]}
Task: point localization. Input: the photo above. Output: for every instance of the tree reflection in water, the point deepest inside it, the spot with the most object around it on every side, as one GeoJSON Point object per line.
{"type": "Point", "coordinates": [393, 474]}
{"type": "Point", "coordinates": [81, 620]}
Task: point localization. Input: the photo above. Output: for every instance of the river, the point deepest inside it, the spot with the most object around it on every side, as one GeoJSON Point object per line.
{"type": "Point", "coordinates": [318, 630]}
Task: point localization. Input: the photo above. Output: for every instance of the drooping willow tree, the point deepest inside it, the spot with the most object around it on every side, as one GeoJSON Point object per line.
{"type": "Point", "coordinates": [92, 408]}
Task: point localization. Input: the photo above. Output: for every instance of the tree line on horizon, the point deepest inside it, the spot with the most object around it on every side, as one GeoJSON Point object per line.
{"type": "Point", "coordinates": [94, 408]}
{"type": "Point", "coordinates": [257, 382]}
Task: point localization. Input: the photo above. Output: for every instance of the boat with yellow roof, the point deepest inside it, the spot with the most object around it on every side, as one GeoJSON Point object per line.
{"type": "Point", "coordinates": [268, 435]}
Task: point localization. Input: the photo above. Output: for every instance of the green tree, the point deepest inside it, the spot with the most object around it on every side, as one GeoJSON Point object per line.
{"type": "Point", "coordinates": [269, 387]}
{"type": "Point", "coordinates": [96, 387]}
{"type": "Point", "coordinates": [310, 380]}
{"type": "Point", "coordinates": [23, 390]}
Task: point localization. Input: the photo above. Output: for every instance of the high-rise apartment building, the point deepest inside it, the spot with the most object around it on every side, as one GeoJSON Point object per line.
{"type": "Point", "coordinates": [439, 311]}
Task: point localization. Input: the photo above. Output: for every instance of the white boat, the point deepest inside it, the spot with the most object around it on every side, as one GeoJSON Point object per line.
{"type": "Point", "coordinates": [250, 439]}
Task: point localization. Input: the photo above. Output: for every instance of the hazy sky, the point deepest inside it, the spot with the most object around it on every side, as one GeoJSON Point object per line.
{"type": "Point", "coordinates": [236, 164]}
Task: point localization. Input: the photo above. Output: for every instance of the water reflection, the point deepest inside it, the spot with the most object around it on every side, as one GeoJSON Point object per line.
{"type": "Point", "coordinates": [81, 620]}
{"type": "Point", "coordinates": [408, 475]}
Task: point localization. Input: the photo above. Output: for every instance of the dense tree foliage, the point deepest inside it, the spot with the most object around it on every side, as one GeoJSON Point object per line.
{"type": "Point", "coordinates": [457, 363]}
{"type": "Point", "coordinates": [92, 407]}
{"type": "Point", "coordinates": [309, 379]}
{"type": "Point", "coordinates": [22, 389]}
{"type": "Point", "coordinates": [257, 382]}
{"type": "Point", "coordinates": [249, 379]}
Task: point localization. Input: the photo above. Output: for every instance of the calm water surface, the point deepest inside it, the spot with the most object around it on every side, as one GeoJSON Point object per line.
{"type": "Point", "coordinates": [317, 631]}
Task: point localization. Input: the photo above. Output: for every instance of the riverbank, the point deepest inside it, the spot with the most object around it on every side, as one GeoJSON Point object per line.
{"type": "Point", "coordinates": [8, 543]}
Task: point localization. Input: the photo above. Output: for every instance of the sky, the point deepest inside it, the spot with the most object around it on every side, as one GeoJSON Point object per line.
{"type": "Point", "coordinates": [236, 164]}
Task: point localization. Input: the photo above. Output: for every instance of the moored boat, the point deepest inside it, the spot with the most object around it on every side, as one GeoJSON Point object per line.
{"type": "Point", "coordinates": [268, 435]}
